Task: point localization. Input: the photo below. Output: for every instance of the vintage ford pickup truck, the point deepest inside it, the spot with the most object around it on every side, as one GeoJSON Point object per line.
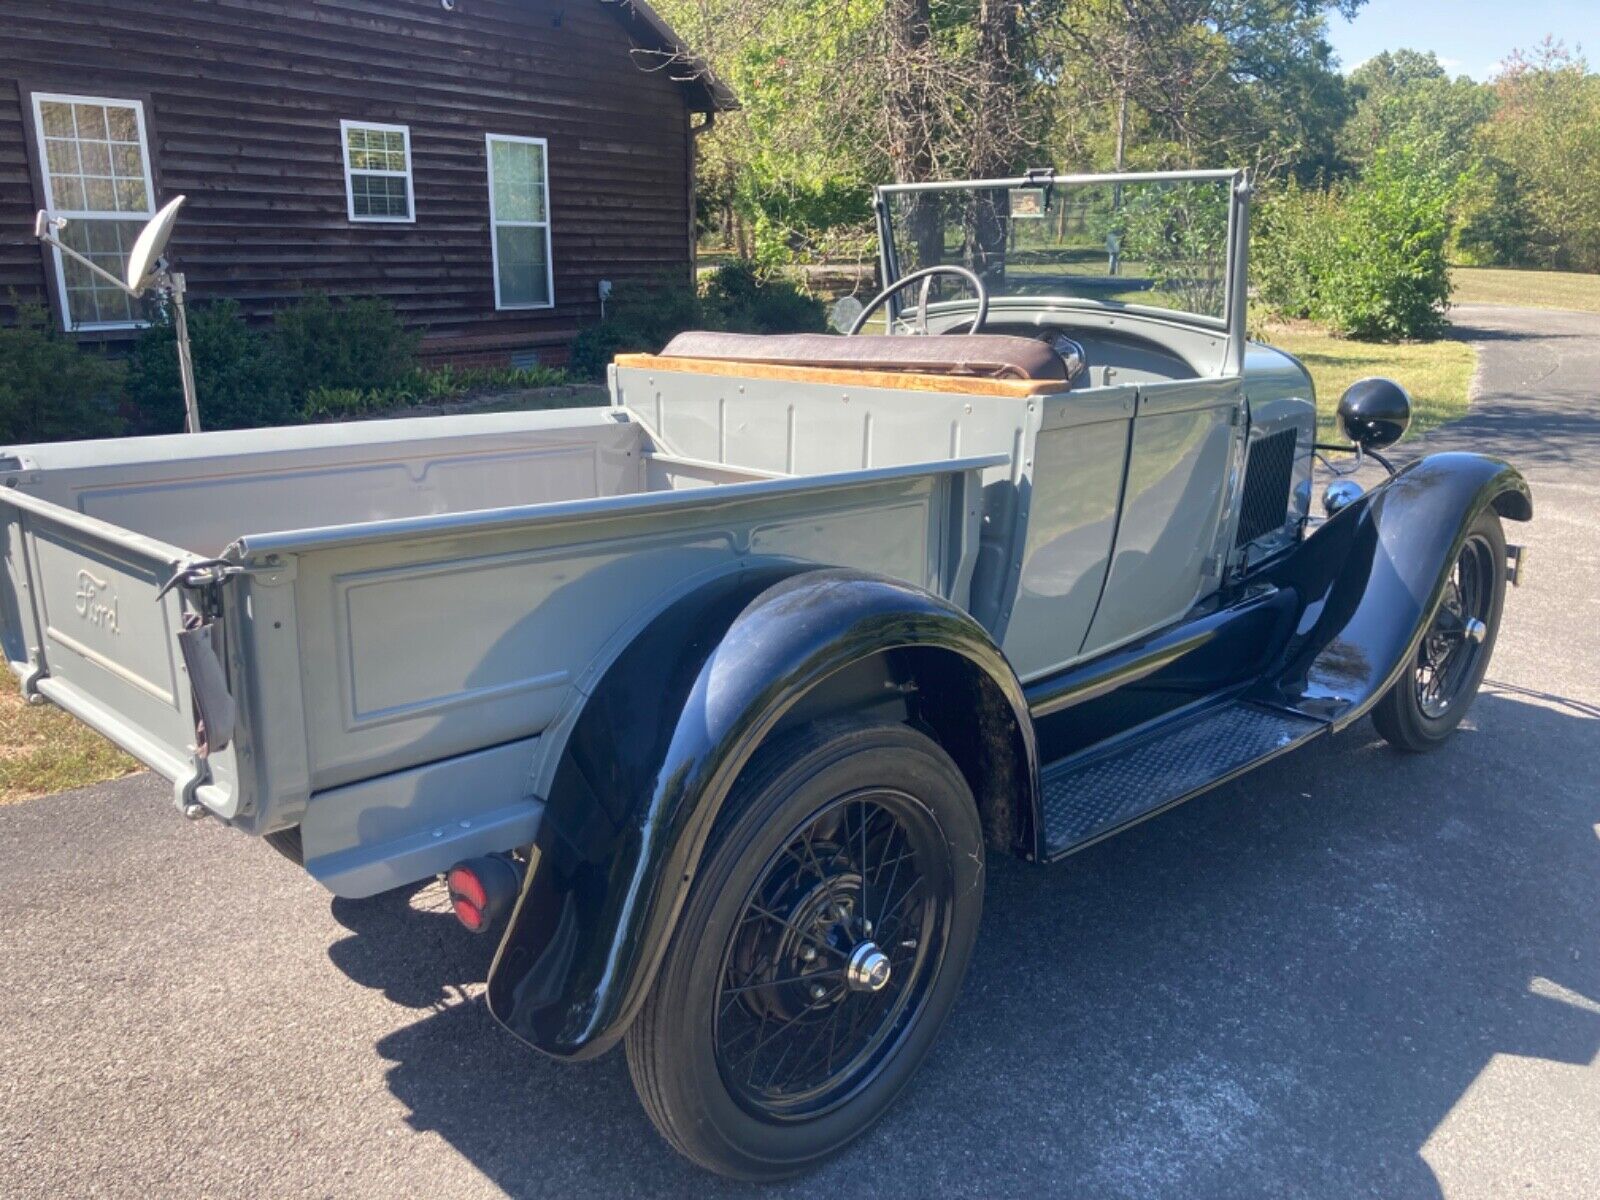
{"type": "Point", "coordinates": [711, 702]}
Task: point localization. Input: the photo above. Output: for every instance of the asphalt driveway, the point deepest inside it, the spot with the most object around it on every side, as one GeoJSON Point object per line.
{"type": "Point", "coordinates": [1351, 974]}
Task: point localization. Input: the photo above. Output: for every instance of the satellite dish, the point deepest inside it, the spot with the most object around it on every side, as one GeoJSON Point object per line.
{"type": "Point", "coordinates": [845, 311]}
{"type": "Point", "coordinates": [150, 244]}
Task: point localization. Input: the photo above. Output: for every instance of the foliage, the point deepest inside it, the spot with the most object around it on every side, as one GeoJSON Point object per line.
{"type": "Point", "coordinates": [421, 386]}
{"type": "Point", "coordinates": [1368, 259]}
{"type": "Point", "coordinates": [737, 297]}
{"type": "Point", "coordinates": [1293, 248]}
{"type": "Point", "coordinates": [1406, 98]}
{"type": "Point", "coordinates": [237, 380]}
{"type": "Point", "coordinates": [317, 361]}
{"type": "Point", "coordinates": [356, 343]}
{"type": "Point", "coordinates": [643, 317]}
{"type": "Point", "coordinates": [1162, 83]}
{"type": "Point", "coordinates": [49, 388]}
{"type": "Point", "coordinates": [1180, 235]}
{"type": "Point", "coordinates": [1546, 130]}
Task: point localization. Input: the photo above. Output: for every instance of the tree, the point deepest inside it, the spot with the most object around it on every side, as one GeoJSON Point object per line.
{"type": "Point", "coordinates": [1546, 129]}
{"type": "Point", "coordinates": [1192, 82]}
{"type": "Point", "coordinates": [1407, 96]}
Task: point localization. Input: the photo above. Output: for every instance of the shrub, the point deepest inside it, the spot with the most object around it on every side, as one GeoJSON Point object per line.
{"type": "Point", "coordinates": [640, 317]}
{"type": "Point", "coordinates": [237, 381]}
{"type": "Point", "coordinates": [422, 387]}
{"type": "Point", "coordinates": [738, 298]}
{"type": "Point", "coordinates": [356, 343]}
{"type": "Point", "coordinates": [643, 317]}
{"type": "Point", "coordinates": [49, 388]}
{"type": "Point", "coordinates": [1392, 277]}
{"type": "Point", "coordinates": [1295, 241]}
{"type": "Point", "coordinates": [1368, 261]}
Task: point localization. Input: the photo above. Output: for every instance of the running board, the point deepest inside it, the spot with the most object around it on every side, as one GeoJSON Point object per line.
{"type": "Point", "coordinates": [1094, 794]}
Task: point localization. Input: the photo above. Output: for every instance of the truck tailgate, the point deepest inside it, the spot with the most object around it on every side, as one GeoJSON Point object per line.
{"type": "Point", "coordinates": [84, 627]}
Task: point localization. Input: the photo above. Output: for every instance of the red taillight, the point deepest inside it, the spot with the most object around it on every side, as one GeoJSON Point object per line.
{"type": "Point", "coordinates": [482, 889]}
{"type": "Point", "coordinates": [467, 913]}
{"type": "Point", "coordinates": [465, 884]}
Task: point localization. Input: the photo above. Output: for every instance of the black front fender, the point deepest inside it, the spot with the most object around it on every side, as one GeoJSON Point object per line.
{"type": "Point", "coordinates": [1368, 582]}
{"type": "Point", "coordinates": [650, 760]}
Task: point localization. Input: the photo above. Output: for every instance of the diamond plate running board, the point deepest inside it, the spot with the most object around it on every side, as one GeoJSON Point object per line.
{"type": "Point", "coordinates": [1091, 795]}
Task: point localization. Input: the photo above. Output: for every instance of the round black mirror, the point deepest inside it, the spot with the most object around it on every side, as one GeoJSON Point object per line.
{"type": "Point", "coordinates": [1374, 413]}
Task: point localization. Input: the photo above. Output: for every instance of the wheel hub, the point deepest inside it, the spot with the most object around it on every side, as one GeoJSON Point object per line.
{"type": "Point", "coordinates": [869, 969]}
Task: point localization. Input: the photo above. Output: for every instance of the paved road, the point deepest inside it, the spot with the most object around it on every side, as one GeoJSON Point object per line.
{"type": "Point", "coordinates": [1353, 974]}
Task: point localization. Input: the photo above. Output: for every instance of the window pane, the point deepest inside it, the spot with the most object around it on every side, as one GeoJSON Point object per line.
{"type": "Point", "coordinates": [99, 194]}
{"type": "Point", "coordinates": [518, 174]}
{"type": "Point", "coordinates": [126, 161]}
{"type": "Point", "coordinates": [67, 193]}
{"type": "Point", "coordinates": [123, 123]}
{"type": "Point", "coordinates": [91, 120]}
{"type": "Point", "coordinates": [61, 157]}
{"type": "Point", "coordinates": [521, 254]}
{"type": "Point", "coordinates": [96, 157]}
{"type": "Point", "coordinates": [378, 195]}
{"type": "Point", "coordinates": [106, 244]}
{"type": "Point", "coordinates": [57, 119]}
{"type": "Point", "coordinates": [131, 196]}
{"type": "Point", "coordinates": [81, 165]}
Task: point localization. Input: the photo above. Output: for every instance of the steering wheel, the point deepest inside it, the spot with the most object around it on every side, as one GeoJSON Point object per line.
{"type": "Point", "coordinates": [926, 277]}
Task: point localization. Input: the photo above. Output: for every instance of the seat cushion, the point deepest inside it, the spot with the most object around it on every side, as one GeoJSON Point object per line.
{"type": "Point", "coordinates": [985, 355]}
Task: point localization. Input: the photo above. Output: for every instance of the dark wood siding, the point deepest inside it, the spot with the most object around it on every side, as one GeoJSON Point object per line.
{"type": "Point", "coordinates": [244, 100]}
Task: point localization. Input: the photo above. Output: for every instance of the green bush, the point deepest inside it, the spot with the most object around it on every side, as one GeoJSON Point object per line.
{"type": "Point", "coordinates": [49, 388]}
{"type": "Point", "coordinates": [643, 317]}
{"type": "Point", "coordinates": [356, 343]}
{"type": "Point", "coordinates": [1368, 261]}
{"type": "Point", "coordinates": [238, 382]}
{"type": "Point", "coordinates": [737, 297]}
{"type": "Point", "coordinates": [420, 386]}
{"type": "Point", "coordinates": [1294, 243]}
{"type": "Point", "coordinates": [1392, 279]}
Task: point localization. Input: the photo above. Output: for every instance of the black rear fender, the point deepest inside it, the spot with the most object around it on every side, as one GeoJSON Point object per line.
{"type": "Point", "coordinates": [663, 737]}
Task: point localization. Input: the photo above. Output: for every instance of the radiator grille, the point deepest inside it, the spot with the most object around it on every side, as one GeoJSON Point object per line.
{"type": "Point", "coordinates": [1265, 504]}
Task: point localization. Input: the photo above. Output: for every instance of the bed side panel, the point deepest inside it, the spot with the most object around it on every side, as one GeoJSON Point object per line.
{"type": "Point", "coordinates": [416, 650]}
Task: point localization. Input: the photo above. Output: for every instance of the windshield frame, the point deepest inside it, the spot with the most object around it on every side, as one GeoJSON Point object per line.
{"type": "Point", "coordinates": [1231, 322]}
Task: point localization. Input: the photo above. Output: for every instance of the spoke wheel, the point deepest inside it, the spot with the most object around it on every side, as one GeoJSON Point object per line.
{"type": "Point", "coordinates": [832, 955]}
{"type": "Point", "coordinates": [1429, 700]}
{"type": "Point", "coordinates": [820, 949]}
{"type": "Point", "coordinates": [1454, 643]}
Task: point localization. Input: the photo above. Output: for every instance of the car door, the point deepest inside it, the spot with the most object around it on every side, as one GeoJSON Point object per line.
{"type": "Point", "coordinates": [1074, 478]}
{"type": "Point", "coordinates": [1187, 436]}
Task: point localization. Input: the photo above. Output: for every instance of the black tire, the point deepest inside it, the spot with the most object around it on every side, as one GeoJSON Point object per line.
{"type": "Point", "coordinates": [798, 805]}
{"type": "Point", "coordinates": [1428, 701]}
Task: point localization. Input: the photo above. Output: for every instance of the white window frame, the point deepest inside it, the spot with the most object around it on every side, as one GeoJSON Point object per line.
{"type": "Point", "coordinates": [39, 101]}
{"type": "Point", "coordinates": [345, 126]}
{"type": "Point", "coordinates": [489, 139]}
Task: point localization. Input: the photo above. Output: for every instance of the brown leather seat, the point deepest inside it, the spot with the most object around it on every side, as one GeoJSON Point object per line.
{"type": "Point", "coordinates": [984, 355]}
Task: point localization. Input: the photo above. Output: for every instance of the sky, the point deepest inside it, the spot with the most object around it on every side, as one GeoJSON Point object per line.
{"type": "Point", "coordinates": [1469, 36]}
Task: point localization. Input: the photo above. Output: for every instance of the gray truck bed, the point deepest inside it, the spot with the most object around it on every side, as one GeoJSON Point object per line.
{"type": "Point", "coordinates": [403, 609]}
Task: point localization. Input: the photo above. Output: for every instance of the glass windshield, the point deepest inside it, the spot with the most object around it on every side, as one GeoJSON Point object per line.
{"type": "Point", "coordinates": [1159, 244]}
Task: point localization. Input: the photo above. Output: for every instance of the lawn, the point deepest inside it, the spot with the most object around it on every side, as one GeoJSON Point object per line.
{"type": "Point", "coordinates": [1436, 374]}
{"type": "Point", "coordinates": [1526, 289]}
{"type": "Point", "coordinates": [43, 750]}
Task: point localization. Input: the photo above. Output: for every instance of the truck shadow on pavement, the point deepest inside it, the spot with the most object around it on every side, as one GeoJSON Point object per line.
{"type": "Point", "coordinates": [1284, 987]}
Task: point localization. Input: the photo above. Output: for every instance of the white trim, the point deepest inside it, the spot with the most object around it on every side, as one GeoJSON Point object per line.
{"type": "Point", "coordinates": [39, 99]}
{"type": "Point", "coordinates": [345, 126]}
{"type": "Point", "coordinates": [489, 139]}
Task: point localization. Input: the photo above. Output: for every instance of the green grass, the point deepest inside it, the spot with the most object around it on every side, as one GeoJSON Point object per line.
{"type": "Point", "coordinates": [43, 750]}
{"type": "Point", "coordinates": [1437, 374]}
{"type": "Point", "coordinates": [1526, 289]}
